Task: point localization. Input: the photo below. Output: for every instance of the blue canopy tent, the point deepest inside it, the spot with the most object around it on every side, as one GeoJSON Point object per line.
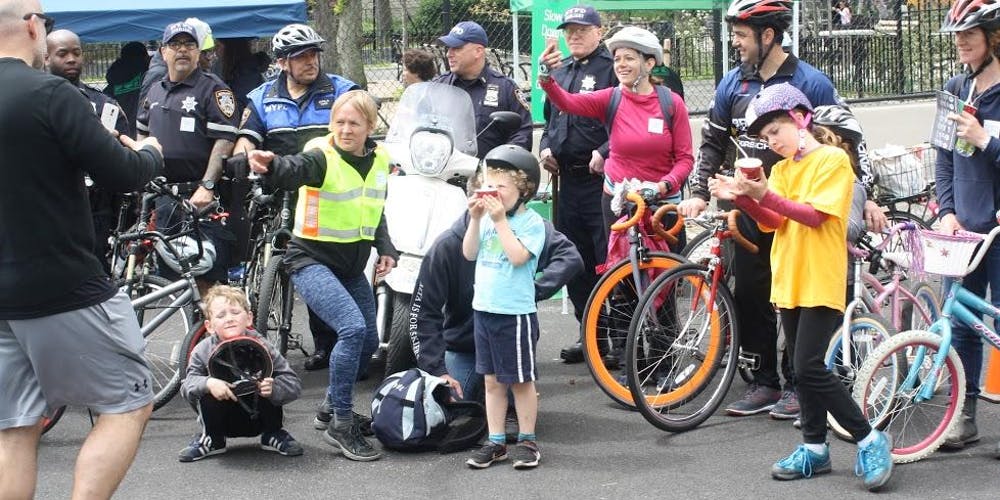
{"type": "Point", "coordinates": [122, 20]}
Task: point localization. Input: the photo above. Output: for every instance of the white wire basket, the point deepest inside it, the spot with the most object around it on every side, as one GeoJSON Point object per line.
{"type": "Point", "coordinates": [947, 254]}
{"type": "Point", "coordinates": [903, 172]}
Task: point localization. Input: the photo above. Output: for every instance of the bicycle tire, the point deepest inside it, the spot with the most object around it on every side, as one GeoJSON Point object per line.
{"type": "Point", "coordinates": [164, 345]}
{"type": "Point", "coordinates": [676, 347]}
{"type": "Point", "coordinates": [50, 421]}
{"type": "Point", "coordinates": [607, 316]}
{"type": "Point", "coordinates": [399, 354]}
{"type": "Point", "coordinates": [930, 307]}
{"type": "Point", "coordinates": [273, 305]}
{"type": "Point", "coordinates": [881, 401]}
{"type": "Point", "coordinates": [867, 332]}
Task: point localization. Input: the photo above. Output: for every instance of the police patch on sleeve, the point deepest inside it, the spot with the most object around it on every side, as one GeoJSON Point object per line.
{"type": "Point", "coordinates": [519, 94]}
{"type": "Point", "coordinates": [227, 103]}
{"type": "Point", "coordinates": [245, 117]}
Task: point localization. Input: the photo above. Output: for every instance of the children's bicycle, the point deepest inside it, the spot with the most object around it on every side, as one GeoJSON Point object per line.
{"type": "Point", "coordinates": [613, 301]}
{"type": "Point", "coordinates": [922, 406]}
{"type": "Point", "coordinates": [683, 341]}
{"type": "Point", "coordinates": [877, 311]}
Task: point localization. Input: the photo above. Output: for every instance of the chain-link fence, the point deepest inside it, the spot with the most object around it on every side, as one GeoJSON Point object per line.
{"type": "Point", "coordinates": [890, 50]}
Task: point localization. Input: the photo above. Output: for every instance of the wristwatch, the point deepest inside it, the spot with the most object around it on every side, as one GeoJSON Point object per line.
{"type": "Point", "coordinates": [208, 184]}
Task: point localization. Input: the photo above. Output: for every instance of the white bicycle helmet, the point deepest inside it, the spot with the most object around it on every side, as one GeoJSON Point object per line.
{"type": "Point", "coordinates": [636, 38]}
{"type": "Point", "coordinates": [764, 13]}
{"type": "Point", "coordinates": [841, 120]}
{"type": "Point", "coordinates": [187, 247]}
{"type": "Point", "coordinates": [295, 38]}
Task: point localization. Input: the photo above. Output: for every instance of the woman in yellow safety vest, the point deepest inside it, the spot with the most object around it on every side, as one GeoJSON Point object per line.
{"type": "Point", "coordinates": [341, 179]}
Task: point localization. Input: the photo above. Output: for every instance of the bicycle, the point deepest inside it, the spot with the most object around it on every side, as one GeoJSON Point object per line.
{"type": "Point", "coordinates": [877, 311]}
{"type": "Point", "coordinates": [683, 333]}
{"type": "Point", "coordinates": [275, 295]}
{"type": "Point", "coordinates": [613, 301]}
{"type": "Point", "coordinates": [922, 406]}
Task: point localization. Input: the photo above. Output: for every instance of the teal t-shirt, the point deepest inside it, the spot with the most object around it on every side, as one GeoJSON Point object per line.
{"type": "Point", "coordinates": [500, 287]}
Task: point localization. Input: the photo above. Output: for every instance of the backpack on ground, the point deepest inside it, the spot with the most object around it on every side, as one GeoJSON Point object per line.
{"type": "Point", "coordinates": [412, 411]}
{"type": "Point", "coordinates": [662, 93]}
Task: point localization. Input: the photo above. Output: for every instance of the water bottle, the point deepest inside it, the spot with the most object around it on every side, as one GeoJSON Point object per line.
{"type": "Point", "coordinates": [236, 274]}
{"type": "Point", "coordinates": [962, 146]}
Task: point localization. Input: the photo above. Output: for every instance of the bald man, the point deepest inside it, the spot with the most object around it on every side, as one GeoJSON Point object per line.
{"type": "Point", "coordinates": [67, 335]}
{"type": "Point", "coordinates": [65, 59]}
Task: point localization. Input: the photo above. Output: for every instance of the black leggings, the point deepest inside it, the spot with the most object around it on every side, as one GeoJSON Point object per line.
{"type": "Point", "coordinates": [819, 390]}
{"type": "Point", "coordinates": [229, 419]}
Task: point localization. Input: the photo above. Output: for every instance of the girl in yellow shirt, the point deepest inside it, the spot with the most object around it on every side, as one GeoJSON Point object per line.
{"type": "Point", "coordinates": [806, 203]}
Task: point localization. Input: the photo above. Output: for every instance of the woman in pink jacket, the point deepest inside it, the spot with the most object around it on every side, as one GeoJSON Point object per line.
{"type": "Point", "coordinates": [643, 143]}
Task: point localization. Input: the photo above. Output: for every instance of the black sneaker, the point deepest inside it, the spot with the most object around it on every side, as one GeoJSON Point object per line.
{"type": "Point", "coordinates": [318, 361]}
{"type": "Point", "coordinates": [572, 354]}
{"type": "Point", "coordinates": [485, 456]}
{"type": "Point", "coordinates": [202, 447]}
{"type": "Point", "coordinates": [525, 455]}
{"type": "Point", "coordinates": [787, 407]}
{"type": "Point", "coordinates": [351, 443]}
{"type": "Point", "coordinates": [613, 359]}
{"type": "Point", "coordinates": [280, 442]}
{"type": "Point", "coordinates": [758, 399]}
{"type": "Point", "coordinates": [323, 418]}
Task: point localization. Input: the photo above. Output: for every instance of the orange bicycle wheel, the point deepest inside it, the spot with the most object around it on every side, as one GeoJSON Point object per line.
{"type": "Point", "coordinates": [606, 319]}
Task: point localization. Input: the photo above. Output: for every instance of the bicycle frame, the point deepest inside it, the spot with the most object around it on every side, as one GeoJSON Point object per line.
{"type": "Point", "coordinates": [959, 303]}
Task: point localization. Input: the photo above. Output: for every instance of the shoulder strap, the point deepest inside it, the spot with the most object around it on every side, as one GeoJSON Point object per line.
{"type": "Point", "coordinates": [663, 94]}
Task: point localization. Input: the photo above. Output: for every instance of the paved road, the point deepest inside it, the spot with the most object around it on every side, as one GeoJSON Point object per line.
{"type": "Point", "coordinates": [590, 449]}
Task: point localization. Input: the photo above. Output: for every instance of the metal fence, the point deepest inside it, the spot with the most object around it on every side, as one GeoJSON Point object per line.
{"type": "Point", "coordinates": [888, 53]}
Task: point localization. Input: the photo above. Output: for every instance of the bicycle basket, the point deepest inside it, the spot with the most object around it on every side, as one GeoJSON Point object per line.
{"type": "Point", "coordinates": [947, 254]}
{"type": "Point", "coordinates": [903, 172]}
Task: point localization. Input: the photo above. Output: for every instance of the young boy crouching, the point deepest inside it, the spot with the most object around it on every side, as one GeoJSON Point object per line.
{"type": "Point", "coordinates": [221, 412]}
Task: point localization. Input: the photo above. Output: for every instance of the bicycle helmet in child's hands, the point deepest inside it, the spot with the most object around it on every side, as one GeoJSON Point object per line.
{"type": "Point", "coordinates": [295, 39]}
{"type": "Point", "coordinates": [774, 101]}
{"type": "Point", "coordinates": [241, 361]}
{"type": "Point", "coordinates": [965, 14]}
{"type": "Point", "coordinates": [638, 39]}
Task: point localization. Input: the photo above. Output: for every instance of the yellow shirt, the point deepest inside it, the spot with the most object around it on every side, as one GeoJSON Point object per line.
{"type": "Point", "coordinates": [809, 263]}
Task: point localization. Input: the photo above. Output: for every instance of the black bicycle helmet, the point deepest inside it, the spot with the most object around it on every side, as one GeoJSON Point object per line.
{"type": "Point", "coordinates": [776, 14]}
{"type": "Point", "coordinates": [294, 39]}
{"type": "Point", "coordinates": [242, 361]}
{"type": "Point", "coordinates": [512, 157]}
{"type": "Point", "coordinates": [965, 14]}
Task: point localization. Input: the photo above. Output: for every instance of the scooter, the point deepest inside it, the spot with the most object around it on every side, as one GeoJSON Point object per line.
{"type": "Point", "coordinates": [432, 143]}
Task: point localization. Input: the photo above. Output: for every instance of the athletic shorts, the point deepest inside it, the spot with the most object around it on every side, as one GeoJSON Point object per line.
{"type": "Point", "coordinates": [505, 346]}
{"type": "Point", "coordinates": [90, 357]}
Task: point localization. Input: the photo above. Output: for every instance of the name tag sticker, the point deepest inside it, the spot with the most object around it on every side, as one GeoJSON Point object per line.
{"type": "Point", "coordinates": [187, 124]}
{"type": "Point", "coordinates": [992, 127]}
{"type": "Point", "coordinates": [655, 126]}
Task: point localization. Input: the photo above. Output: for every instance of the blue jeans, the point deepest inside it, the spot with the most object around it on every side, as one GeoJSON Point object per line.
{"type": "Point", "coordinates": [348, 306]}
{"type": "Point", "coordinates": [967, 342]}
{"type": "Point", "coordinates": [462, 367]}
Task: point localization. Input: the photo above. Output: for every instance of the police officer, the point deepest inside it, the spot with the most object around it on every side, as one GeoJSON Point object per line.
{"type": "Point", "coordinates": [489, 89]}
{"type": "Point", "coordinates": [192, 113]}
{"type": "Point", "coordinates": [284, 114]}
{"type": "Point", "coordinates": [757, 27]}
{"type": "Point", "coordinates": [65, 59]}
{"type": "Point", "coordinates": [574, 148]}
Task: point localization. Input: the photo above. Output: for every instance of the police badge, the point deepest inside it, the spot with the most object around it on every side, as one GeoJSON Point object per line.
{"type": "Point", "coordinates": [227, 103]}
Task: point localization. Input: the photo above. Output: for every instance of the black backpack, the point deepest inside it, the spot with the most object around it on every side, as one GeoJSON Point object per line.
{"type": "Point", "coordinates": [662, 93]}
{"type": "Point", "coordinates": [412, 411]}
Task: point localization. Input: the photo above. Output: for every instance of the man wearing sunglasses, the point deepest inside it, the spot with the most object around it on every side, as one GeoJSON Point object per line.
{"type": "Point", "coordinates": [192, 113]}
{"type": "Point", "coordinates": [67, 335]}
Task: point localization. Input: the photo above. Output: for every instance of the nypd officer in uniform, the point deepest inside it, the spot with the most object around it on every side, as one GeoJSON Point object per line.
{"type": "Point", "coordinates": [65, 59]}
{"type": "Point", "coordinates": [574, 148]}
{"type": "Point", "coordinates": [191, 113]}
{"type": "Point", "coordinates": [282, 115]}
{"type": "Point", "coordinates": [489, 89]}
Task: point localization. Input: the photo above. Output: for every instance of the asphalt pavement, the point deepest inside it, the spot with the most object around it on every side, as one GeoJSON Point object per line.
{"type": "Point", "coordinates": [591, 448]}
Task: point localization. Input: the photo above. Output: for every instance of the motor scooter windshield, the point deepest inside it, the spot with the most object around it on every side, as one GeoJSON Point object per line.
{"type": "Point", "coordinates": [432, 108]}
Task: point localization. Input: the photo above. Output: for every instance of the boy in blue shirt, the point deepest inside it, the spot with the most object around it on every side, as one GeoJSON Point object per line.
{"type": "Point", "coordinates": [506, 245]}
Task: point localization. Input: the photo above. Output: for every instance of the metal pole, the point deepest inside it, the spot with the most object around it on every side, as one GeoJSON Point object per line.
{"type": "Point", "coordinates": [446, 15]}
{"type": "Point", "coordinates": [515, 52]}
{"type": "Point", "coordinates": [720, 32]}
{"type": "Point", "coordinates": [796, 13]}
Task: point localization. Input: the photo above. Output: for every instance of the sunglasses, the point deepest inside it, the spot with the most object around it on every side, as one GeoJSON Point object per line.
{"type": "Point", "coordinates": [49, 22]}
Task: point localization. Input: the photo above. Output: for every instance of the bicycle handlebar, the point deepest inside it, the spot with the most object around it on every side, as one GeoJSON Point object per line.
{"type": "Point", "coordinates": [706, 218]}
{"type": "Point", "coordinates": [640, 208]}
{"type": "Point", "coordinates": [659, 230]}
{"type": "Point", "coordinates": [668, 235]}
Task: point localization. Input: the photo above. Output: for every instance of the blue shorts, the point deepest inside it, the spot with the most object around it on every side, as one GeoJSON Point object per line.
{"type": "Point", "coordinates": [505, 346]}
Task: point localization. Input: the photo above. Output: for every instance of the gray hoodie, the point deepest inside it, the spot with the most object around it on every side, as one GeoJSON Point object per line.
{"type": "Point", "coordinates": [287, 385]}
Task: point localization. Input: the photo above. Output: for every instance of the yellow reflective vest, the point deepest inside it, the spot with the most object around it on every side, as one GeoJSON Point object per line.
{"type": "Point", "coordinates": [346, 208]}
